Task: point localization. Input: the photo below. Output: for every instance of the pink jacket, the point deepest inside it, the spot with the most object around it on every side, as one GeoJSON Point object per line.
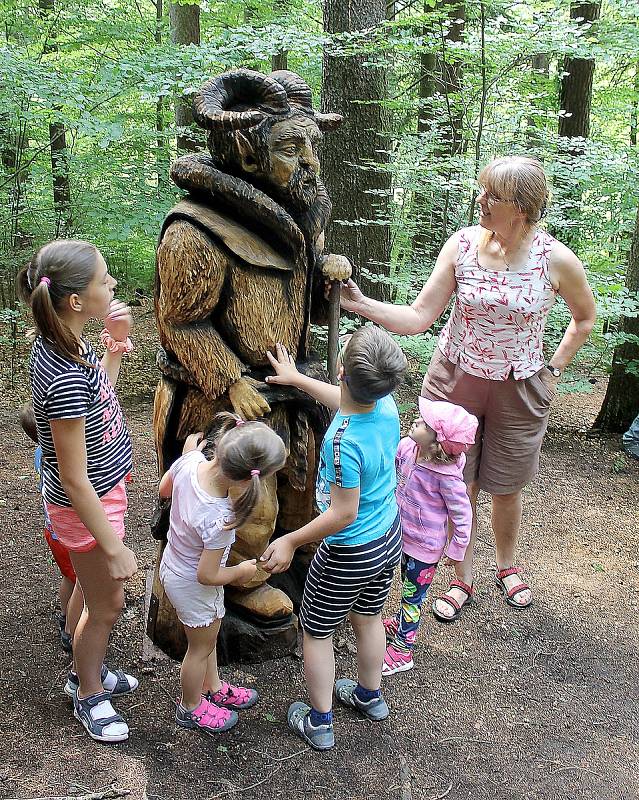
{"type": "Point", "coordinates": [428, 495]}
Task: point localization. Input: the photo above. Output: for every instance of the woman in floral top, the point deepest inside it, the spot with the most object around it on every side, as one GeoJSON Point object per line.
{"type": "Point", "coordinates": [505, 275]}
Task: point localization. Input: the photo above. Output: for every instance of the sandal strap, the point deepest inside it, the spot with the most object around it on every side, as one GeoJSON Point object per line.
{"type": "Point", "coordinates": [450, 600]}
{"type": "Point", "coordinates": [504, 573]}
{"type": "Point", "coordinates": [520, 587]}
{"type": "Point", "coordinates": [457, 584]}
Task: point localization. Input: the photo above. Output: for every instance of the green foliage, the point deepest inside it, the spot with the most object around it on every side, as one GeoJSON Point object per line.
{"type": "Point", "coordinates": [110, 75]}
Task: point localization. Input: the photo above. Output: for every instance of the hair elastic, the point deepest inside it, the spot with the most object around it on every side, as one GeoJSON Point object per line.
{"type": "Point", "coordinates": [46, 280]}
{"type": "Point", "coordinates": [255, 472]}
{"type": "Point", "coordinates": [239, 422]}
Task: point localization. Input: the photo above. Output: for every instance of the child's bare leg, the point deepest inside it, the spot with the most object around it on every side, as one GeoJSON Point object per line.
{"type": "Point", "coordinates": [64, 594]}
{"type": "Point", "coordinates": [319, 669]}
{"type": "Point", "coordinates": [75, 606]}
{"type": "Point", "coordinates": [201, 644]}
{"type": "Point", "coordinates": [371, 646]}
{"type": "Point", "coordinates": [104, 599]}
{"type": "Point", "coordinates": [212, 682]}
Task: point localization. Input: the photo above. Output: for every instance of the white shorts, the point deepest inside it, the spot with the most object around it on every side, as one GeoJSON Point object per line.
{"type": "Point", "coordinates": [196, 605]}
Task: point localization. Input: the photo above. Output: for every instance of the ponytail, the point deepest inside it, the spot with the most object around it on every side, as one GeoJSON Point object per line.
{"type": "Point", "coordinates": [246, 451]}
{"type": "Point", "coordinates": [59, 269]}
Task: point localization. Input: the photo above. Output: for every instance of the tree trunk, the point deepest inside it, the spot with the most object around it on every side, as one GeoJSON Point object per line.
{"type": "Point", "coordinates": [58, 146]}
{"type": "Point", "coordinates": [575, 96]}
{"type": "Point", "coordinates": [621, 403]}
{"type": "Point", "coordinates": [536, 123]}
{"type": "Point", "coordinates": [184, 22]}
{"type": "Point", "coordinates": [576, 83]}
{"type": "Point", "coordinates": [359, 189]}
{"type": "Point", "coordinates": [280, 60]}
{"type": "Point", "coordinates": [161, 154]}
{"type": "Point", "coordinates": [440, 74]}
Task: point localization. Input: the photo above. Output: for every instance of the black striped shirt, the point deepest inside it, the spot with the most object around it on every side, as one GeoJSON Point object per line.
{"type": "Point", "coordinates": [63, 389]}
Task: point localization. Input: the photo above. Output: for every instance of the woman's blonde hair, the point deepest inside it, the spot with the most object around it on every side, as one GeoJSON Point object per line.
{"type": "Point", "coordinates": [520, 180]}
{"type": "Point", "coordinates": [245, 450]}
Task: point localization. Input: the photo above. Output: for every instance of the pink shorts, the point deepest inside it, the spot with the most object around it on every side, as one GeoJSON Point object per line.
{"type": "Point", "coordinates": [70, 529]}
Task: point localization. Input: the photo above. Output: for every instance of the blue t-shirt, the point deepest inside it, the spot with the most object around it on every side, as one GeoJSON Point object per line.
{"type": "Point", "coordinates": [359, 450]}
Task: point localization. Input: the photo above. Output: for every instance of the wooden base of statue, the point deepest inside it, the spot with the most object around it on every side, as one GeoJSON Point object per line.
{"type": "Point", "coordinates": [247, 635]}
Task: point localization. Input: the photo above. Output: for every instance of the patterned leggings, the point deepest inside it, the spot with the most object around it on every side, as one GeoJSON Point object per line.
{"type": "Point", "coordinates": [417, 576]}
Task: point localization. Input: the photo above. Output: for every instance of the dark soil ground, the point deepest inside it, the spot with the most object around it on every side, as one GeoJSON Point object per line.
{"type": "Point", "coordinates": [504, 704]}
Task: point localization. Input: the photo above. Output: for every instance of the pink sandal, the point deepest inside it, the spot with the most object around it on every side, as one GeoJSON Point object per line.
{"type": "Point", "coordinates": [509, 594]}
{"type": "Point", "coordinates": [206, 716]}
{"type": "Point", "coordinates": [236, 697]}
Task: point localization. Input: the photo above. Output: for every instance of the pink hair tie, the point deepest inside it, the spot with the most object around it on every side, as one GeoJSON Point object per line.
{"type": "Point", "coordinates": [46, 280]}
{"type": "Point", "coordinates": [239, 422]}
{"type": "Point", "coordinates": [255, 472]}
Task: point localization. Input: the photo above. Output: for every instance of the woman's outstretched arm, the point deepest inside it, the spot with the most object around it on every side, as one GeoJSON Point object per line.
{"type": "Point", "coordinates": [420, 315]}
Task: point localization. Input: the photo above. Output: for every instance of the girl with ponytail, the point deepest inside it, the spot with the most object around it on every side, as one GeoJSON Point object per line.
{"type": "Point", "coordinates": [86, 454]}
{"type": "Point", "coordinates": [193, 570]}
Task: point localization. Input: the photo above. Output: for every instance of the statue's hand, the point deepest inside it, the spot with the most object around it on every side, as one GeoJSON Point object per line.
{"type": "Point", "coordinates": [247, 402]}
{"type": "Point", "coordinates": [335, 268]}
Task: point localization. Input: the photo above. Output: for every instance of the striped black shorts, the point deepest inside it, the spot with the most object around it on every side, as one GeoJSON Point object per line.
{"type": "Point", "coordinates": [344, 578]}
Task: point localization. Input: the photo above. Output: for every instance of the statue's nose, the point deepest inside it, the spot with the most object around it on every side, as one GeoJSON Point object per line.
{"type": "Point", "coordinates": [309, 159]}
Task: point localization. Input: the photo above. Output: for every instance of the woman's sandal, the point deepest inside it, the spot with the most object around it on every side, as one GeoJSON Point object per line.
{"type": "Point", "coordinates": [456, 584]}
{"type": "Point", "coordinates": [509, 594]}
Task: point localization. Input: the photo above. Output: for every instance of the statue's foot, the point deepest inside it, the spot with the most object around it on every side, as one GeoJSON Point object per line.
{"type": "Point", "coordinates": [265, 602]}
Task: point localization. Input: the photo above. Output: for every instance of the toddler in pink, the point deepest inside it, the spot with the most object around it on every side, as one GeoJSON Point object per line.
{"type": "Point", "coordinates": [430, 493]}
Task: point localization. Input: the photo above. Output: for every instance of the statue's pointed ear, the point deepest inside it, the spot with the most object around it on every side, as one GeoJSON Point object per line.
{"type": "Point", "coordinates": [247, 154]}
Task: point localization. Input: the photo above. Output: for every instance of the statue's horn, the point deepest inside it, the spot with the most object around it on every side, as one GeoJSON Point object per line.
{"type": "Point", "coordinates": [215, 105]}
{"type": "Point", "coordinates": [299, 94]}
{"type": "Point", "coordinates": [297, 90]}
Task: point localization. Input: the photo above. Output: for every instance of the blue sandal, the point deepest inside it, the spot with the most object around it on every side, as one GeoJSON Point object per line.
{"type": "Point", "coordinates": [100, 719]}
{"type": "Point", "coordinates": [124, 683]}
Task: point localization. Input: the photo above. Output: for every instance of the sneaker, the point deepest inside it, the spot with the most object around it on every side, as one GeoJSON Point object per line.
{"type": "Point", "coordinates": [375, 709]}
{"type": "Point", "coordinates": [396, 661]}
{"type": "Point", "coordinates": [236, 697]}
{"type": "Point", "coordinates": [391, 626]}
{"type": "Point", "coordinates": [319, 738]}
{"type": "Point", "coordinates": [114, 682]}
{"type": "Point", "coordinates": [207, 716]}
{"type": "Point", "coordinates": [101, 720]}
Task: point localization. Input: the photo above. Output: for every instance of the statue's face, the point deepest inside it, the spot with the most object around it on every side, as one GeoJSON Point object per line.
{"type": "Point", "coordinates": [293, 147]}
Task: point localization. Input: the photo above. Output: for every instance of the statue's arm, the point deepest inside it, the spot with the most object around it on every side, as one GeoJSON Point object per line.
{"type": "Point", "coordinates": [191, 273]}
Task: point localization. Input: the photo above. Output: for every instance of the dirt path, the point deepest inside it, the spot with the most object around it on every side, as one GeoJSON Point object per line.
{"type": "Point", "coordinates": [504, 704]}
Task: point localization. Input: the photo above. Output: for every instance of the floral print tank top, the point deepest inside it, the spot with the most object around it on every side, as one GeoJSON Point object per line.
{"type": "Point", "coordinates": [497, 323]}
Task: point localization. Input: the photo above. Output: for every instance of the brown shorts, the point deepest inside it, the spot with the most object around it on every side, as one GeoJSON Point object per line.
{"type": "Point", "coordinates": [513, 416]}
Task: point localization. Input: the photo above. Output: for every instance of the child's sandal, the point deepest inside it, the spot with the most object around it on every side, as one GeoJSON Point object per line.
{"type": "Point", "coordinates": [101, 720]}
{"type": "Point", "coordinates": [114, 682]}
{"type": "Point", "coordinates": [237, 698]}
{"type": "Point", "coordinates": [509, 594]}
{"type": "Point", "coordinates": [207, 716]}
{"type": "Point", "coordinates": [456, 584]}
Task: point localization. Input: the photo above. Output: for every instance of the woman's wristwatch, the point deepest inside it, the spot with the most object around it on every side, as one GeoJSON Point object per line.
{"type": "Point", "coordinates": [554, 371]}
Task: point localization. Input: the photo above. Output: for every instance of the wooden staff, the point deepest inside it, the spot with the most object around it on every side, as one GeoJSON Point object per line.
{"type": "Point", "coordinates": [333, 330]}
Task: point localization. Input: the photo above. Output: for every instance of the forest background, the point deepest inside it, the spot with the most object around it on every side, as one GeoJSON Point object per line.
{"type": "Point", "coordinates": [95, 104]}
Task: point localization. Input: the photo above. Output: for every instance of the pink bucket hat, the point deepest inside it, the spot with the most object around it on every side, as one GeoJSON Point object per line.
{"type": "Point", "coordinates": [454, 426]}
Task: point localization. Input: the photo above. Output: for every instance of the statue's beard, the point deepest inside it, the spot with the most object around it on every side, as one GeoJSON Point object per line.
{"type": "Point", "coordinates": [300, 192]}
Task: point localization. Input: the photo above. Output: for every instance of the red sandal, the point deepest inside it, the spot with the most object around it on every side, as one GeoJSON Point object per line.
{"type": "Point", "coordinates": [456, 584]}
{"type": "Point", "coordinates": [509, 594]}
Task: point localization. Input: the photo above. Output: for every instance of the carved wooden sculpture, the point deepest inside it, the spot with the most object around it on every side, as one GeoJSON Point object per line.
{"type": "Point", "coordinates": [240, 267]}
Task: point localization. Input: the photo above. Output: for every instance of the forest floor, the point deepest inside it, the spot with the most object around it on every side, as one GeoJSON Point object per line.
{"type": "Point", "coordinates": [509, 705]}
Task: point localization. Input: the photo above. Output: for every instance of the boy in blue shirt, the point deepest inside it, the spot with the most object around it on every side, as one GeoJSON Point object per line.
{"type": "Point", "coordinates": [352, 570]}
